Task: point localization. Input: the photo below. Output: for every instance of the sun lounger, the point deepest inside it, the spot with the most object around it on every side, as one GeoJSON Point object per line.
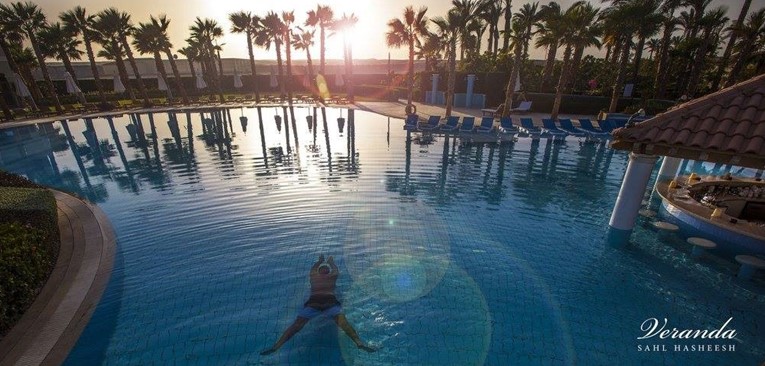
{"type": "Point", "coordinates": [410, 123]}
{"type": "Point", "coordinates": [566, 125]}
{"type": "Point", "coordinates": [486, 126]}
{"type": "Point", "coordinates": [432, 123]}
{"type": "Point", "coordinates": [506, 126]}
{"type": "Point", "coordinates": [468, 124]}
{"type": "Point", "coordinates": [527, 127]}
{"type": "Point", "coordinates": [452, 123]}
{"type": "Point", "coordinates": [586, 125]}
{"type": "Point", "coordinates": [549, 127]}
{"type": "Point", "coordinates": [525, 106]}
{"type": "Point", "coordinates": [489, 112]}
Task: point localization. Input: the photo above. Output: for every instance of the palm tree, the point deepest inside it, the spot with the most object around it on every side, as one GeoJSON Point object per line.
{"type": "Point", "coordinates": [662, 65]}
{"type": "Point", "coordinates": [25, 61]}
{"type": "Point", "coordinates": [654, 45]}
{"type": "Point", "coordinates": [723, 62]}
{"type": "Point", "coordinates": [749, 35]}
{"type": "Point", "coordinates": [288, 17]}
{"type": "Point", "coordinates": [272, 33]}
{"type": "Point", "coordinates": [9, 37]}
{"type": "Point", "coordinates": [430, 50]}
{"type": "Point", "coordinates": [105, 33]}
{"type": "Point", "coordinates": [303, 40]}
{"type": "Point", "coordinates": [529, 18]}
{"type": "Point", "coordinates": [345, 25]}
{"type": "Point", "coordinates": [205, 32]}
{"type": "Point", "coordinates": [408, 31]}
{"type": "Point", "coordinates": [508, 13]}
{"type": "Point", "coordinates": [466, 10]}
{"type": "Point", "coordinates": [111, 49]}
{"type": "Point", "coordinates": [322, 17]}
{"type": "Point", "coordinates": [146, 40]}
{"type": "Point", "coordinates": [27, 18]}
{"type": "Point", "coordinates": [78, 22]}
{"type": "Point", "coordinates": [57, 42]}
{"type": "Point", "coordinates": [648, 27]}
{"type": "Point", "coordinates": [192, 54]}
{"type": "Point", "coordinates": [586, 32]}
{"type": "Point", "coordinates": [122, 27]}
{"type": "Point", "coordinates": [161, 25]}
{"type": "Point", "coordinates": [625, 17]}
{"type": "Point", "coordinates": [492, 11]}
{"type": "Point", "coordinates": [711, 24]}
{"type": "Point", "coordinates": [449, 32]}
{"type": "Point", "coordinates": [517, 46]}
{"type": "Point", "coordinates": [245, 22]}
{"type": "Point", "coordinates": [550, 33]}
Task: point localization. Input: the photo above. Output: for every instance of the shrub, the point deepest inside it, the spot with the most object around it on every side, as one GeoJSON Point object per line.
{"type": "Point", "coordinates": [29, 241]}
{"type": "Point", "coordinates": [25, 262]}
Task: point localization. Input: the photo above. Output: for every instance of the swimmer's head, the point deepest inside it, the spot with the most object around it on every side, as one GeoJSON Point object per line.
{"type": "Point", "coordinates": [325, 269]}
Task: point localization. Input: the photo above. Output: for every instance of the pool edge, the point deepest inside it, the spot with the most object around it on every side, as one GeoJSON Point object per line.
{"type": "Point", "coordinates": [51, 326]}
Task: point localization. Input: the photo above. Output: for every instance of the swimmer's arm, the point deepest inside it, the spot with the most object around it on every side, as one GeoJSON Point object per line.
{"type": "Point", "coordinates": [331, 262]}
{"type": "Point", "coordinates": [315, 267]}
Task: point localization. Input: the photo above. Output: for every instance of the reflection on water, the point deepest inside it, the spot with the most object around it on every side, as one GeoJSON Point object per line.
{"type": "Point", "coordinates": [451, 249]}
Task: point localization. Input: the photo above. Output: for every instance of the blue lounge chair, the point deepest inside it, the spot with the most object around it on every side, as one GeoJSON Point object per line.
{"type": "Point", "coordinates": [527, 126]}
{"type": "Point", "coordinates": [451, 124]}
{"type": "Point", "coordinates": [487, 125]}
{"type": "Point", "coordinates": [432, 123]}
{"type": "Point", "coordinates": [410, 123]}
{"type": "Point", "coordinates": [468, 124]}
{"type": "Point", "coordinates": [566, 125]}
{"type": "Point", "coordinates": [549, 127]}
{"type": "Point", "coordinates": [606, 126]}
{"type": "Point", "coordinates": [506, 126]}
{"type": "Point", "coordinates": [586, 125]}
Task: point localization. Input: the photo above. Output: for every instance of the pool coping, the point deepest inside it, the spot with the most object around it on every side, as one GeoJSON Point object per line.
{"type": "Point", "coordinates": [51, 326]}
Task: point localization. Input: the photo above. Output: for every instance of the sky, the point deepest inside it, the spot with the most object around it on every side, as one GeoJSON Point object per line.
{"type": "Point", "coordinates": [368, 36]}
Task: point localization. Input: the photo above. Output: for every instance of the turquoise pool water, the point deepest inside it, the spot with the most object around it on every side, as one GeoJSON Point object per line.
{"type": "Point", "coordinates": [451, 252]}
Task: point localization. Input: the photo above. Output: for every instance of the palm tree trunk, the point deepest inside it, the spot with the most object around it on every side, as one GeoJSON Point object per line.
{"type": "Point", "coordinates": [451, 77]}
{"type": "Point", "coordinates": [699, 64]}
{"type": "Point", "coordinates": [311, 80]}
{"type": "Point", "coordinates": [192, 69]}
{"type": "Point", "coordinates": [288, 53]}
{"type": "Point", "coordinates": [134, 66]}
{"type": "Point", "coordinates": [562, 81]}
{"type": "Point", "coordinates": [12, 64]}
{"type": "Point", "coordinates": [279, 68]}
{"type": "Point", "coordinates": [549, 64]}
{"type": "Point", "coordinates": [122, 70]}
{"type": "Point", "coordinates": [576, 62]}
{"type": "Point", "coordinates": [68, 67]}
{"type": "Point", "coordinates": [410, 73]}
{"type": "Point", "coordinates": [743, 55]}
{"type": "Point", "coordinates": [659, 84]}
{"type": "Point", "coordinates": [510, 90]}
{"type": "Point", "coordinates": [723, 63]}
{"type": "Point", "coordinates": [619, 77]}
{"type": "Point", "coordinates": [638, 57]}
{"type": "Point", "coordinates": [93, 67]}
{"type": "Point", "coordinates": [508, 18]}
{"type": "Point", "coordinates": [252, 66]}
{"type": "Point", "coordinates": [177, 76]}
{"type": "Point", "coordinates": [162, 72]}
{"type": "Point", "coordinates": [44, 68]}
{"type": "Point", "coordinates": [322, 49]}
{"type": "Point", "coordinates": [349, 72]}
{"type": "Point", "coordinates": [220, 77]}
{"type": "Point", "coordinates": [34, 89]}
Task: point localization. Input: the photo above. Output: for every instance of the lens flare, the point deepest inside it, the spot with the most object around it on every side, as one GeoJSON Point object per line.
{"type": "Point", "coordinates": [321, 85]}
{"type": "Point", "coordinates": [396, 253]}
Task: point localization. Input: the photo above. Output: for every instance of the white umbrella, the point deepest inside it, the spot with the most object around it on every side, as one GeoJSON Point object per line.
{"type": "Point", "coordinates": [118, 86]}
{"type": "Point", "coordinates": [339, 80]}
{"type": "Point", "coordinates": [273, 82]}
{"type": "Point", "coordinates": [161, 84]}
{"type": "Point", "coordinates": [237, 80]}
{"type": "Point", "coordinates": [71, 86]}
{"type": "Point", "coordinates": [21, 87]}
{"type": "Point", "coordinates": [200, 81]}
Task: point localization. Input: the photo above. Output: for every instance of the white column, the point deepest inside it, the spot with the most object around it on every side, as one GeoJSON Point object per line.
{"type": "Point", "coordinates": [668, 169]}
{"type": "Point", "coordinates": [469, 91]}
{"type": "Point", "coordinates": [630, 197]}
{"type": "Point", "coordinates": [434, 88]}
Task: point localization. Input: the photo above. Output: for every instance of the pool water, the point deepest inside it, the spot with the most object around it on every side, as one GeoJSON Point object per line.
{"type": "Point", "coordinates": [451, 252]}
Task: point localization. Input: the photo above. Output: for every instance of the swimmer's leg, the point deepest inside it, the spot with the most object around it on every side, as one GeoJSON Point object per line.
{"type": "Point", "coordinates": [342, 322]}
{"type": "Point", "coordinates": [296, 326]}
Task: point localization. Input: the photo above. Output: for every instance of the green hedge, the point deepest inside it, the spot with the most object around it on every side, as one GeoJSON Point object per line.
{"type": "Point", "coordinates": [29, 240]}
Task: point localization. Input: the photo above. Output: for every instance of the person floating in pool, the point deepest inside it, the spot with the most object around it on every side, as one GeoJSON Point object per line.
{"type": "Point", "coordinates": [322, 301]}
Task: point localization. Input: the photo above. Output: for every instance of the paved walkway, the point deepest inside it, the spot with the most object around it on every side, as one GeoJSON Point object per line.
{"type": "Point", "coordinates": [50, 327]}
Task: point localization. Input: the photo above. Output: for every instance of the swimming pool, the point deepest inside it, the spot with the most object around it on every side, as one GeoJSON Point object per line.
{"type": "Point", "coordinates": [452, 252]}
